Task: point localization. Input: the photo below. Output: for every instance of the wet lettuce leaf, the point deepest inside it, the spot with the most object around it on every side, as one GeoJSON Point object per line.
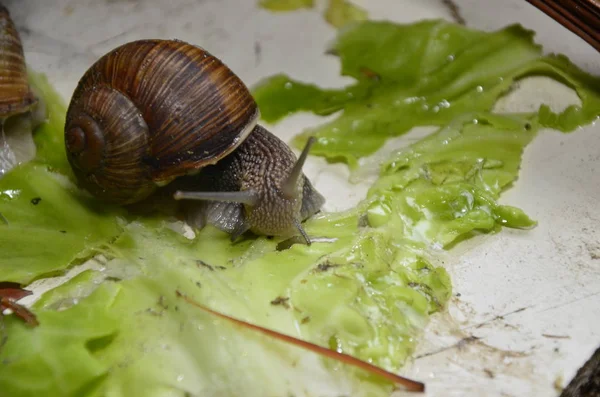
{"type": "Point", "coordinates": [286, 5]}
{"type": "Point", "coordinates": [50, 144]}
{"type": "Point", "coordinates": [446, 186]}
{"type": "Point", "coordinates": [376, 304]}
{"type": "Point", "coordinates": [342, 12]}
{"type": "Point", "coordinates": [429, 72]}
{"type": "Point", "coordinates": [366, 286]}
{"type": "Point", "coordinates": [375, 275]}
{"type": "Point", "coordinates": [57, 359]}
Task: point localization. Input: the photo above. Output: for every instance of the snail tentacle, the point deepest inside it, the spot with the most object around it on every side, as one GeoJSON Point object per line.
{"type": "Point", "coordinates": [291, 182]}
{"type": "Point", "coordinates": [248, 197]}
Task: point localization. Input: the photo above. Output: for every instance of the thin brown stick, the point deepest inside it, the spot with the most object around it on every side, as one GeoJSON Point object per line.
{"type": "Point", "coordinates": [409, 384]}
{"type": "Point", "coordinates": [19, 310]}
{"type": "Point", "coordinates": [13, 291]}
{"type": "Point", "coordinates": [581, 17]}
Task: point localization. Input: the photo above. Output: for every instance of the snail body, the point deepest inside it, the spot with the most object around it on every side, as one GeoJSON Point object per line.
{"type": "Point", "coordinates": [157, 113]}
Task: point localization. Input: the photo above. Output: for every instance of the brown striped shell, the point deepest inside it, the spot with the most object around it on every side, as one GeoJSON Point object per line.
{"type": "Point", "coordinates": [150, 111]}
{"type": "Point", "coordinates": [15, 93]}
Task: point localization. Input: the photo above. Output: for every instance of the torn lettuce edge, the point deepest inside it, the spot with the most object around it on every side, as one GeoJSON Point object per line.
{"type": "Point", "coordinates": [365, 105]}
{"type": "Point", "coordinates": [177, 267]}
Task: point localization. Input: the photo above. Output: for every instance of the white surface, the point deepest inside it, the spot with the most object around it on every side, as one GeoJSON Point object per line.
{"type": "Point", "coordinates": [551, 272]}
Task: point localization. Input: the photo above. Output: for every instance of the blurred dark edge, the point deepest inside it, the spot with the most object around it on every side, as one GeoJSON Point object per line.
{"type": "Point", "coordinates": [586, 382]}
{"type": "Point", "coordinates": [581, 17]}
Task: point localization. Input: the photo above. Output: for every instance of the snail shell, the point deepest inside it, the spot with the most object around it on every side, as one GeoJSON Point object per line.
{"type": "Point", "coordinates": [16, 96]}
{"type": "Point", "coordinates": [150, 111]}
{"type": "Point", "coordinates": [21, 110]}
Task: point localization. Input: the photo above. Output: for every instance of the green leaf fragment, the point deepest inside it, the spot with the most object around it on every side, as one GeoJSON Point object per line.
{"type": "Point", "coordinates": [50, 223]}
{"type": "Point", "coordinates": [342, 12]}
{"type": "Point", "coordinates": [49, 137]}
{"type": "Point", "coordinates": [57, 358]}
{"type": "Point", "coordinates": [446, 185]}
{"type": "Point", "coordinates": [286, 5]}
{"type": "Point", "coordinates": [419, 74]}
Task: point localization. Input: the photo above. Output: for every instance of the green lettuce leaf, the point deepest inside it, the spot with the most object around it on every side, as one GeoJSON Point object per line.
{"type": "Point", "coordinates": [58, 358]}
{"type": "Point", "coordinates": [341, 12]}
{"type": "Point", "coordinates": [50, 144]}
{"type": "Point", "coordinates": [338, 13]}
{"type": "Point", "coordinates": [429, 72]}
{"type": "Point", "coordinates": [286, 5]}
{"type": "Point", "coordinates": [365, 287]}
{"type": "Point", "coordinates": [375, 276]}
{"type": "Point", "coordinates": [447, 185]}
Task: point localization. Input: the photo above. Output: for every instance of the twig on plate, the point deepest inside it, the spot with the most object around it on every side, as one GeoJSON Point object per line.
{"type": "Point", "coordinates": [550, 336]}
{"type": "Point", "coordinates": [409, 384]}
{"type": "Point", "coordinates": [20, 311]}
{"type": "Point", "coordinates": [10, 293]}
{"type": "Point", "coordinates": [455, 11]}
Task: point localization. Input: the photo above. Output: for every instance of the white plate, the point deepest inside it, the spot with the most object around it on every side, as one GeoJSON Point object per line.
{"type": "Point", "coordinates": [532, 297]}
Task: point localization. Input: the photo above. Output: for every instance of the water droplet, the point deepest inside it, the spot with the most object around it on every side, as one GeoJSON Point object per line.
{"type": "Point", "coordinates": [179, 378]}
{"type": "Point", "coordinates": [412, 99]}
{"type": "Point", "coordinates": [436, 109]}
{"type": "Point", "coordinates": [11, 193]}
{"type": "Point", "coordinates": [425, 106]}
{"type": "Point", "coordinates": [356, 124]}
{"type": "Point", "coordinates": [479, 88]}
{"type": "Point", "coordinates": [450, 58]}
{"type": "Point", "coordinates": [288, 85]}
{"type": "Point", "coordinates": [444, 104]}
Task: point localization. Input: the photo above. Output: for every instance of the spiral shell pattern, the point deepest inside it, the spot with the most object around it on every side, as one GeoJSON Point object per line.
{"type": "Point", "coordinates": [15, 94]}
{"type": "Point", "coordinates": [150, 111]}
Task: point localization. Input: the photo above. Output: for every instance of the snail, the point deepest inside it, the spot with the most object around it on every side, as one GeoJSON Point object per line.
{"type": "Point", "coordinates": [21, 110]}
{"type": "Point", "coordinates": [155, 114]}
